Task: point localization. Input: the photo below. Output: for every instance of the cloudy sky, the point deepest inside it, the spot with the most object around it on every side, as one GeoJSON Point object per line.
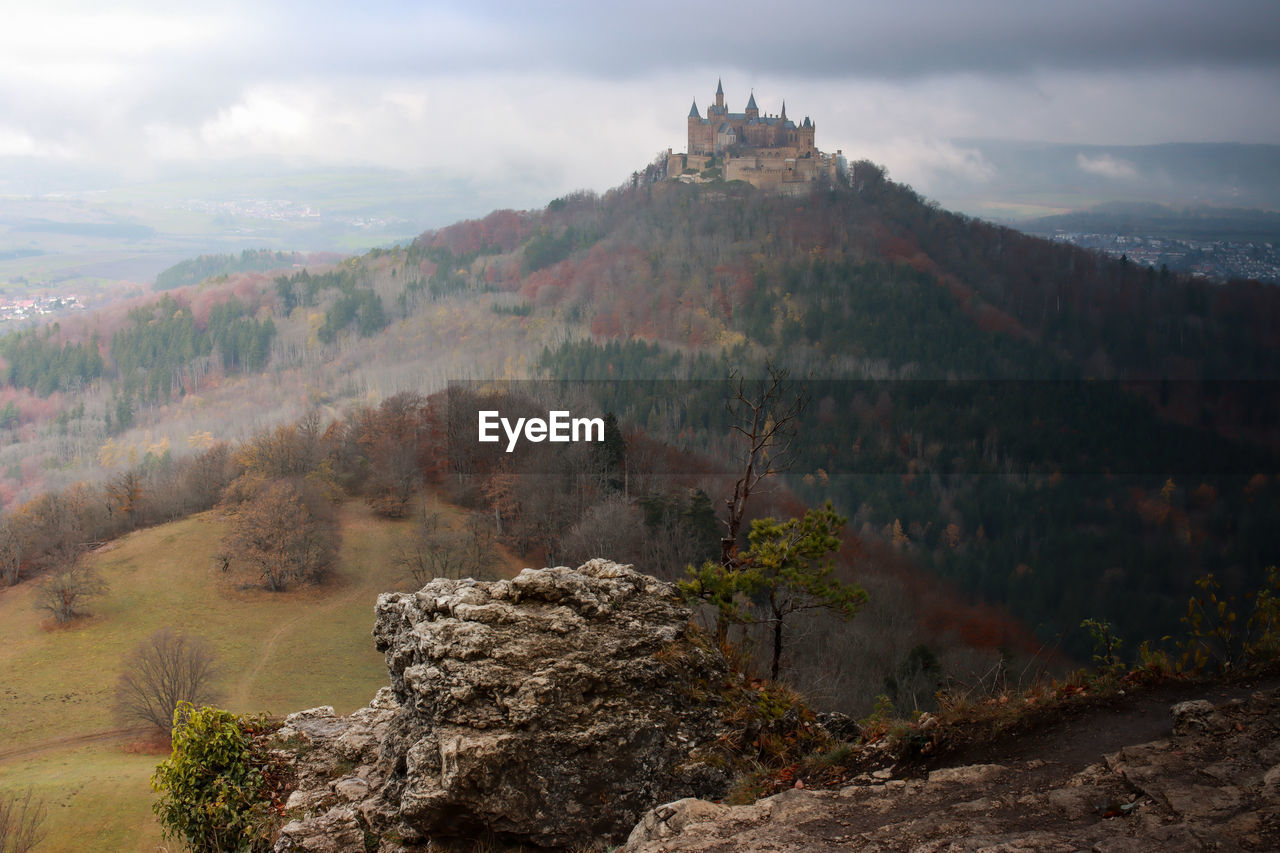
{"type": "Point", "coordinates": [552, 97]}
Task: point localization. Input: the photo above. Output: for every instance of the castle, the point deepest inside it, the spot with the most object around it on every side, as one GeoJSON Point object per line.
{"type": "Point", "coordinates": [770, 152]}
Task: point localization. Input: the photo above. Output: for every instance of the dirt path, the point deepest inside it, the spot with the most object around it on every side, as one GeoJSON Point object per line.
{"type": "Point", "coordinates": [1072, 738]}
{"type": "Point", "coordinates": [57, 744]}
{"type": "Point", "coordinates": [240, 697]}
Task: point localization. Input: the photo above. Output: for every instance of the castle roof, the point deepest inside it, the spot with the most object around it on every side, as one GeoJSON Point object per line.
{"type": "Point", "coordinates": [693, 110]}
{"type": "Point", "coordinates": [719, 87]}
{"type": "Point", "coordinates": [751, 104]}
{"type": "Point", "coordinates": [773, 121]}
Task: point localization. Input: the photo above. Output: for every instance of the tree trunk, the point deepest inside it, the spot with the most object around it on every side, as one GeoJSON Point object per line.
{"type": "Point", "coordinates": [777, 646]}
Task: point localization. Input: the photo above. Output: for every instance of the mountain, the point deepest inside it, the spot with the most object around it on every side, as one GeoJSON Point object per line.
{"type": "Point", "coordinates": [1069, 435]}
{"type": "Point", "coordinates": [1059, 433]}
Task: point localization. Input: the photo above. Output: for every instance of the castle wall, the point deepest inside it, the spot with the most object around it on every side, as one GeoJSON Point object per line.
{"type": "Point", "coordinates": [777, 172]}
{"type": "Point", "coordinates": [675, 164]}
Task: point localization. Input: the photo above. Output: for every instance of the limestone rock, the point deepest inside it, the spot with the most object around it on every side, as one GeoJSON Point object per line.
{"type": "Point", "coordinates": [672, 819]}
{"type": "Point", "coordinates": [967, 775]}
{"type": "Point", "coordinates": [1211, 786]}
{"type": "Point", "coordinates": [546, 709]}
{"type": "Point", "coordinates": [336, 831]}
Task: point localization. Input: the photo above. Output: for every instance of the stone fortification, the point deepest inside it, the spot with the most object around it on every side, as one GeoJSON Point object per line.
{"type": "Point", "coordinates": [770, 152]}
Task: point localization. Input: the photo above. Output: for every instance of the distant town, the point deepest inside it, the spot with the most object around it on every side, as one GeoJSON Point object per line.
{"type": "Point", "coordinates": [281, 210]}
{"type": "Point", "coordinates": [31, 308]}
{"type": "Point", "coordinates": [1221, 260]}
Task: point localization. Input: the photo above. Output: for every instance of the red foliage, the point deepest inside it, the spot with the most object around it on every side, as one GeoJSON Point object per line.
{"type": "Point", "coordinates": [897, 248]}
{"type": "Point", "coordinates": [992, 319]}
{"type": "Point", "coordinates": [943, 611]}
{"type": "Point", "coordinates": [502, 230]}
{"type": "Point", "coordinates": [249, 287]}
{"type": "Point", "coordinates": [605, 325]}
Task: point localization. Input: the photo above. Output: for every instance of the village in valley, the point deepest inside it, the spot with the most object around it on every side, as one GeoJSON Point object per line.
{"type": "Point", "coordinates": [25, 308]}
{"type": "Point", "coordinates": [1216, 259]}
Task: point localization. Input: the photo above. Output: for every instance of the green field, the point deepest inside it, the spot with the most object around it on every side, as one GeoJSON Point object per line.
{"type": "Point", "coordinates": [278, 653]}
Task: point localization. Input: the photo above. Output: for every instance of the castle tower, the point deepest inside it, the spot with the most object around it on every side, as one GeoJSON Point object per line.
{"type": "Point", "coordinates": [752, 110]}
{"type": "Point", "coordinates": [719, 94]}
{"type": "Point", "coordinates": [805, 138]}
{"type": "Point", "coordinates": [700, 140]}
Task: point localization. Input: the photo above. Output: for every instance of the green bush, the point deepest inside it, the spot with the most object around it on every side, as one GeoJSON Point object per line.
{"type": "Point", "coordinates": [215, 791]}
{"type": "Point", "coordinates": [1218, 639]}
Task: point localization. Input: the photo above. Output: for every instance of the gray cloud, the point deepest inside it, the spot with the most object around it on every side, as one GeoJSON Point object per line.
{"type": "Point", "coordinates": [580, 93]}
{"type": "Point", "coordinates": [905, 39]}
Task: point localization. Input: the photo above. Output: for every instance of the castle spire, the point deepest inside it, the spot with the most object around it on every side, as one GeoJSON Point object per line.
{"type": "Point", "coordinates": [719, 95]}
{"type": "Point", "coordinates": [719, 86]}
{"type": "Point", "coordinates": [693, 110]}
{"type": "Point", "coordinates": [784, 110]}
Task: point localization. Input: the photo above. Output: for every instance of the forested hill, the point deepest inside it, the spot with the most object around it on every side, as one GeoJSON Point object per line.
{"type": "Point", "coordinates": [1094, 436]}
{"type": "Point", "coordinates": [1072, 436]}
{"type": "Point", "coordinates": [868, 276]}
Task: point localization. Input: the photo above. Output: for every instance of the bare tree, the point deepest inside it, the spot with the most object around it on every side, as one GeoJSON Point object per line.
{"type": "Point", "coordinates": [13, 542]}
{"type": "Point", "coordinates": [393, 442]}
{"type": "Point", "coordinates": [680, 531]}
{"type": "Point", "coordinates": [613, 528]}
{"type": "Point", "coordinates": [205, 476]}
{"type": "Point", "coordinates": [164, 669]}
{"type": "Point", "coordinates": [286, 532]}
{"type": "Point", "coordinates": [124, 495]}
{"type": "Point", "coordinates": [480, 547]}
{"type": "Point", "coordinates": [434, 550]}
{"type": "Point", "coordinates": [765, 414]}
{"type": "Point", "coordinates": [69, 586]}
{"type": "Point", "coordinates": [21, 822]}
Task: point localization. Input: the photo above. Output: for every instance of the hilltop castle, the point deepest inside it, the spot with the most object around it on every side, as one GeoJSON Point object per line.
{"type": "Point", "coordinates": [767, 151]}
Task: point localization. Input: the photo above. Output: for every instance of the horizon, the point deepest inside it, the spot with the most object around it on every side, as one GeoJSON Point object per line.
{"type": "Point", "coordinates": [498, 102]}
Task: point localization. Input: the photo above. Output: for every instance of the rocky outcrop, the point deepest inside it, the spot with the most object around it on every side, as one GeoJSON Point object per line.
{"type": "Point", "coordinates": [546, 709]}
{"type": "Point", "coordinates": [1213, 785]}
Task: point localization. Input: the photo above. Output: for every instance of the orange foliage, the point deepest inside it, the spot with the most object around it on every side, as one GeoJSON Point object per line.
{"type": "Point", "coordinates": [502, 230]}
{"type": "Point", "coordinates": [943, 611]}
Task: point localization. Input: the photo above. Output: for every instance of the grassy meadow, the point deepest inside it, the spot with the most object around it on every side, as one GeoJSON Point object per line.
{"type": "Point", "coordinates": [277, 653]}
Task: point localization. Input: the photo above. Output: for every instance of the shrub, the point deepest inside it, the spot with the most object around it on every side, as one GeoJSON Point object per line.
{"type": "Point", "coordinates": [1219, 639]}
{"type": "Point", "coordinates": [1106, 645]}
{"type": "Point", "coordinates": [216, 788]}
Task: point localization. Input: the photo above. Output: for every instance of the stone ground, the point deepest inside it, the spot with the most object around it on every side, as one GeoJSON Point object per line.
{"type": "Point", "coordinates": [1159, 771]}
